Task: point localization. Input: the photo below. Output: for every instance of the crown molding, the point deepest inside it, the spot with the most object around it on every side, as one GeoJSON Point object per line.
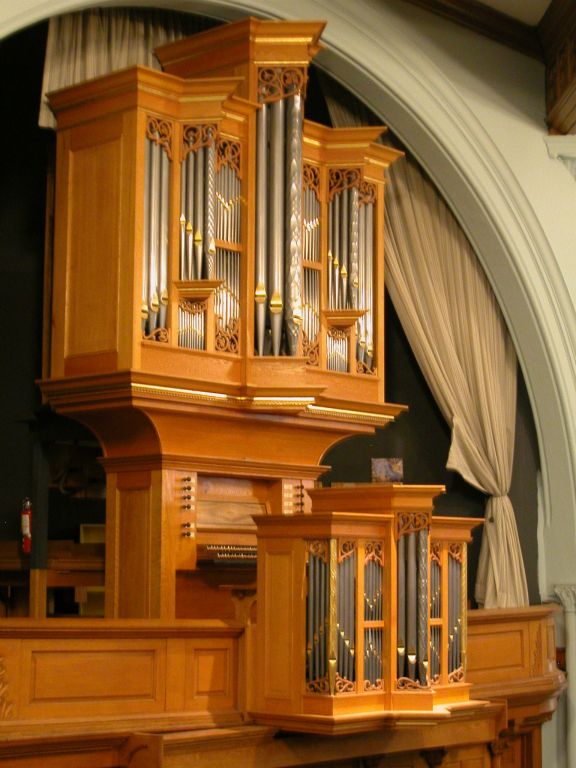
{"type": "Point", "coordinates": [486, 21]}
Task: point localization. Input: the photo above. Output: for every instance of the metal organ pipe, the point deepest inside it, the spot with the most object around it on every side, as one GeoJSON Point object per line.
{"type": "Point", "coordinates": [422, 615]}
{"type": "Point", "coordinates": [210, 201]}
{"type": "Point", "coordinates": [353, 247]}
{"type": "Point", "coordinates": [411, 605]}
{"type": "Point", "coordinates": [293, 248]}
{"type": "Point", "coordinates": [145, 312]}
{"type": "Point", "coordinates": [276, 223]}
{"type": "Point", "coordinates": [401, 607]}
{"type": "Point", "coordinates": [198, 212]}
{"type": "Point", "coordinates": [154, 222]}
{"type": "Point", "coordinates": [261, 227]}
{"type": "Point", "coordinates": [163, 236]}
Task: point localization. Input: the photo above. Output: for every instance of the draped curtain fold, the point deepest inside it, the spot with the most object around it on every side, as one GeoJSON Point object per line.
{"type": "Point", "coordinates": [459, 338]}
{"type": "Point", "coordinates": [84, 45]}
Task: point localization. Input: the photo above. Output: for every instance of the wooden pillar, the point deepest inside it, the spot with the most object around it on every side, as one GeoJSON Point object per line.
{"type": "Point", "coordinates": [144, 523]}
{"type": "Point", "coordinates": [37, 599]}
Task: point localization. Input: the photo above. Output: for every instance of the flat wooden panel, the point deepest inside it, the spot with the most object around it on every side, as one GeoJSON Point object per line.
{"type": "Point", "coordinates": [77, 678]}
{"type": "Point", "coordinates": [92, 274]}
{"type": "Point", "coordinates": [92, 674]}
{"type": "Point", "coordinates": [278, 652]}
{"type": "Point", "coordinates": [134, 544]}
{"type": "Point", "coordinates": [499, 654]}
{"type": "Point", "coordinates": [211, 672]}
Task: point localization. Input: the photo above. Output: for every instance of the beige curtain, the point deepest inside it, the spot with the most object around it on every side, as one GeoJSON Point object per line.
{"type": "Point", "coordinates": [84, 45]}
{"type": "Point", "coordinates": [458, 335]}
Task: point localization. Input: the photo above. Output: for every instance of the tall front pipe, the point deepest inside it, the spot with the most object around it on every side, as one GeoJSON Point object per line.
{"type": "Point", "coordinates": [144, 312]}
{"type": "Point", "coordinates": [153, 297]}
{"type": "Point", "coordinates": [353, 247]}
{"type": "Point", "coordinates": [199, 212]}
{"type": "Point", "coordinates": [411, 606]}
{"type": "Point", "coordinates": [209, 209]}
{"type": "Point", "coordinates": [261, 226]}
{"type": "Point", "coordinates": [422, 621]}
{"type": "Point", "coordinates": [401, 605]}
{"type": "Point", "coordinates": [163, 236]}
{"type": "Point", "coordinates": [293, 298]}
{"type": "Point", "coordinates": [276, 224]}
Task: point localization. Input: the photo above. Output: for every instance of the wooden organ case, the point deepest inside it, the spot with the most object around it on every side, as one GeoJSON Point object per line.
{"type": "Point", "coordinates": [218, 295]}
{"type": "Point", "coordinates": [218, 323]}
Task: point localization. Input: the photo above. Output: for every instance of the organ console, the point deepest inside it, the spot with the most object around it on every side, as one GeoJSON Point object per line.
{"type": "Point", "coordinates": [218, 323]}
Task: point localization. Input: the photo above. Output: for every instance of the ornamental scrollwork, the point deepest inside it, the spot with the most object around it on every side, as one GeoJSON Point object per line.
{"type": "Point", "coordinates": [457, 676]}
{"type": "Point", "coordinates": [275, 83]}
{"type": "Point", "coordinates": [310, 350]}
{"type": "Point", "coordinates": [160, 132]}
{"type": "Point", "coordinates": [227, 339]}
{"type": "Point", "coordinates": [192, 307]}
{"type": "Point", "coordinates": [159, 334]}
{"type": "Point", "coordinates": [311, 177]}
{"type": "Point", "coordinates": [343, 685]}
{"type": "Point", "coordinates": [340, 179]}
{"type": "Point", "coordinates": [377, 686]}
{"type": "Point", "coordinates": [373, 551]}
{"type": "Point", "coordinates": [318, 686]}
{"type": "Point", "coordinates": [411, 522]}
{"type": "Point", "coordinates": [196, 136]}
{"type": "Point", "coordinates": [362, 368]}
{"type": "Point", "coordinates": [338, 333]}
{"type": "Point", "coordinates": [367, 193]}
{"type": "Point", "coordinates": [228, 153]}
{"type": "Point", "coordinates": [456, 551]}
{"type": "Point", "coordinates": [346, 550]}
{"type": "Point", "coordinates": [435, 552]}
{"type": "Point", "coordinates": [318, 548]}
{"type": "Point", "coordinates": [407, 684]}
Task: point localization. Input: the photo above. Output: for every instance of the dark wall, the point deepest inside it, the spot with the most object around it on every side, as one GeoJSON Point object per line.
{"type": "Point", "coordinates": [25, 151]}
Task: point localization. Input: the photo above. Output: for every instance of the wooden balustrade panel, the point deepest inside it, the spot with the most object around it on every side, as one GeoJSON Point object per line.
{"type": "Point", "coordinates": [73, 670]}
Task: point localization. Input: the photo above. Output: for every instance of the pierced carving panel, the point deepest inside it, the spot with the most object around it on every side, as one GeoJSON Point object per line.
{"type": "Point", "coordinates": [411, 522]}
{"type": "Point", "coordinates": [159, 334]}
{"type": "Point", "coordinates": [196, 136]}
{"type": "Point", "coordinates": [318, 548]}
{"type": "Point", "coordinates": [228, 153]}
{"type": "Point", "coordinates": [275, 83]}
{"type": "Point", "coordinates": [347, 549]}
{"type": "Point", "coordinates": [456, 552]}
{"type": "Point", "coordinates": [310, 350]}
{"type": "Point", "coordinates": [342, 178]}
{"type": "Point", "coordinates": [373, 551]}
{"type": "Point", "coordinates": [227, 339]}
{"type": "Point", "coordinates": [367, 193]}
{"type": "Point", "coordinates": [160, 132]}
{"type": "Point", "coordinates": [311, 177]}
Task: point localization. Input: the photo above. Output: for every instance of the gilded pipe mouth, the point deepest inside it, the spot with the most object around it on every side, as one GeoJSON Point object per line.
{"type": "Point", "coordinates": [276, 304]}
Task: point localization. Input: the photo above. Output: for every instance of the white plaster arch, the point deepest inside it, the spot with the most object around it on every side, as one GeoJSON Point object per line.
{"type": "Point", "coordinates": [369, 49]}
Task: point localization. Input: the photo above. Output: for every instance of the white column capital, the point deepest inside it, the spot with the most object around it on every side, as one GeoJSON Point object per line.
{"type": "Point", "coordinates": [567, 596]}
{"type": "Point", "coordinates": [563, 148]}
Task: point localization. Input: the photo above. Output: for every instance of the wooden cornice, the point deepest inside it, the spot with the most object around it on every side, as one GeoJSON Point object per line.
{"type": "Point", "coordinates": [557, 24]}
{"type": "Point", "coordinates": [488, 22]}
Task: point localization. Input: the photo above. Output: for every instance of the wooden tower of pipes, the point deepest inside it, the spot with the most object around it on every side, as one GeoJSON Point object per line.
{"type": "Point", "coordinates": [218, 323]}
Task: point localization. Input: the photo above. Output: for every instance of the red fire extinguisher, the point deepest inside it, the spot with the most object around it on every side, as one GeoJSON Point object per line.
{"type": "Point", "coordinates": [26, 525]}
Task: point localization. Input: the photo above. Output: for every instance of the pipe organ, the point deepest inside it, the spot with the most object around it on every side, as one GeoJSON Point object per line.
{"type": "Point", "coordinates": [380, 613]}
{"type": "Point", "coordinates": [219, 325]}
